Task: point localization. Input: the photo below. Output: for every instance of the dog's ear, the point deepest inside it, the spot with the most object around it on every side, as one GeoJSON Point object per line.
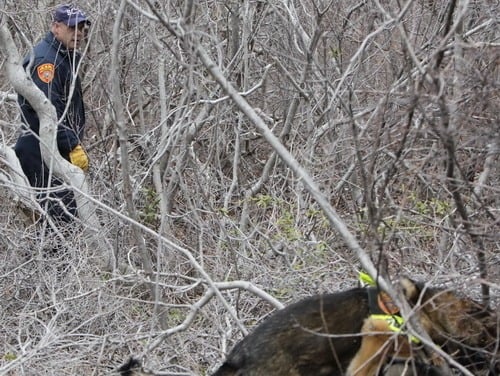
{"type": "Point", "coordinates": [410, 289]}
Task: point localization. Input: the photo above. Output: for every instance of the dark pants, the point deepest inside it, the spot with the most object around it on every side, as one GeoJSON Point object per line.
{"type": "Point", "coordinates": [59, 203]}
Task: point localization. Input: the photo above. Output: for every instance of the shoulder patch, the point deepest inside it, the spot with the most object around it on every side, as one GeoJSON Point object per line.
{"type": "Point", "coordinates": [46, 72]}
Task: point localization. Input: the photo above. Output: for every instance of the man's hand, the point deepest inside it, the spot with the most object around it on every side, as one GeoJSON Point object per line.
{"type": "Point", "coordinates": [79, 158]}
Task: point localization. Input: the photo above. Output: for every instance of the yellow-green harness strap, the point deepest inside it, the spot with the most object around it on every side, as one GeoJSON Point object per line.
{"type": "Point", "coordinates": [394, 320]}
{"type": "Point", "coordinates": [365, 279]}
{"type": "Point", "coordinates": [395, 323]}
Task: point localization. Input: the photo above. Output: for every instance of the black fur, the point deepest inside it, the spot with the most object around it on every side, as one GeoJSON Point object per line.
{"type": "Point", "coordinates": [297, 340]}
{"type": "Point", "coordinates": [128, 368]}
{"type": "Point", "coordinates": [303, 338]}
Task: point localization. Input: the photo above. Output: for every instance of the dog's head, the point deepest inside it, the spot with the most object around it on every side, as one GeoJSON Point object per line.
{"type": "Point", "coordinates": [457, 322]}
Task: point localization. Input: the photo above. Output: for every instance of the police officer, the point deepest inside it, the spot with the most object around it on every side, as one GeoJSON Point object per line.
{"type": "Point", "coordinates": [53, 66]}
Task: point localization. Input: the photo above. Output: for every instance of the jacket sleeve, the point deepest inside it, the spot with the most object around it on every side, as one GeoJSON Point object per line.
{"type": "Point", "coordinates": [51, 80]}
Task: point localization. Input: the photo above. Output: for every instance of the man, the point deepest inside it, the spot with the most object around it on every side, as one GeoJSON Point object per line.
{"type": "Point", "coordinates": [53, 65]}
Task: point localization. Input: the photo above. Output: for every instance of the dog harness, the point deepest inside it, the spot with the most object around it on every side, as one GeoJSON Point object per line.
{"type": "Point", "coordinates": [382, 307]}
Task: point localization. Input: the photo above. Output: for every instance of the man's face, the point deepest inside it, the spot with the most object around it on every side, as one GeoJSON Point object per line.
{"type": "Point", "coordinates": [70, 36]}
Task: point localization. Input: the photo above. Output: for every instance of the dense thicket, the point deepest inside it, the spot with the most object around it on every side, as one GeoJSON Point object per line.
{"type": "Point", "coordinates": [390, 106]}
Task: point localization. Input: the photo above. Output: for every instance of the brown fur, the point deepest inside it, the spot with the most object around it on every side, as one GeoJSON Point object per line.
{"type": "Point", "coordinates": [447, 316]}
{"type": "Point", "coordinates": [462, 327]}
{"type": "Point", "coordinates": [452, 322]}
{"type": "Point", "coordinates": [378, 343]}
{"type": "Point", "coordinates": [303, 338]}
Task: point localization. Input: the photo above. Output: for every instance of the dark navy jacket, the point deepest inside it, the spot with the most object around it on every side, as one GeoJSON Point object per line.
{"type": "Point", "coordinates": [70, 130]}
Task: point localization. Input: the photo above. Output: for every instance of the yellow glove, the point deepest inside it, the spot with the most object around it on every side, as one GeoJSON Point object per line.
{"type": "Point", "coordinates": [79, 158]}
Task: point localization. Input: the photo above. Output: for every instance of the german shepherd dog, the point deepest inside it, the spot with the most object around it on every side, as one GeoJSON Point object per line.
{"type": "Point", "coordinates": [336, 334]}
{"type": "Point", "coordinates": [461, 326]}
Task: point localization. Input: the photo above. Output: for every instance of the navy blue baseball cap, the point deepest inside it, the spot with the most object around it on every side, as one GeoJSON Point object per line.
{"type": "Point", "coordinates": [70, 15]}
